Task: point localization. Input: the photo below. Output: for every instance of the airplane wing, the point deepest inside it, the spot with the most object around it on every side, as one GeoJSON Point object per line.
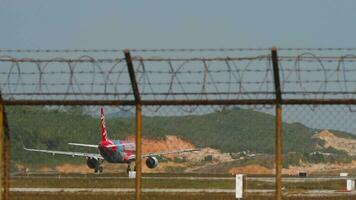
{"type": "Point", "coordinates": [73, 154]}
{"type": "Point", "coordinates": [92, 145]}
{"type": "Point", "coordinates": [84, 145]}
{"type": "Point", "coordinates": [161, 153]}
{"type": "Point", "coordinates": [169, 152]}
{"type": "Point", "coordinates": [132, 157]}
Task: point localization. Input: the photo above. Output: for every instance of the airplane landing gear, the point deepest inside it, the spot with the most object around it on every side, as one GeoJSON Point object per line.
{"type": "Point", "coordinates": [94, 163]}
{"type": "Point", "coordinates": [128, 167]}
{"type": "Point", "coordinates": [99, 169]}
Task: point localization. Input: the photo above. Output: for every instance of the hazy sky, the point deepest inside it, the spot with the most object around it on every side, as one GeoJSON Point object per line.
{"type": "Point", "coordinates": [176, 24]}
{"type": "Point", "coordinates": [77, 24]}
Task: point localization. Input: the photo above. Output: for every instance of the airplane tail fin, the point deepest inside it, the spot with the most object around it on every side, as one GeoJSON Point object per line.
{"type": "Point", "coordinates": [103, 128]}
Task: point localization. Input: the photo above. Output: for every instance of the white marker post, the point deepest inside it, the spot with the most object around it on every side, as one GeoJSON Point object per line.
{"type": "Point", "coordinates": [239, 186]}
{"type": "Point", "coordinates": [132, 174]}
{"type": "Point", "coordinates": [350, 185]}
{"type": "Point", "coordinates": [343, 174]}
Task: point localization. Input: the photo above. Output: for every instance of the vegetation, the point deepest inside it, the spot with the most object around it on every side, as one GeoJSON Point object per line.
{"type": "Point", "coordinates": [159, 196]}
{"type": "Point", "coordinates": [114, 182]}
{"type": "Point", "coordinates": [108, 182]}
{"type": "Point", "coordinates": [233, 130]}
{"type": "Point", "coordinates": [290, 188]}
{"type": "Point", "coordinates": [264, 161]}
{"type": "Point", "coordinates": [163, 196]}
{"type": "Point", "coordinates": [295, 158]}
{"type": "Point", "coordinates": [126, 196]}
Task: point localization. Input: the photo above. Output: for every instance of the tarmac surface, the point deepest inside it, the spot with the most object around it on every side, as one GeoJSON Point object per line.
{"type": "Point", "coordinates": [314, 192]}
{"type": "Point", "coordinates": [254, 178]}
{"type": "Point", "coordinates": [155, 190]}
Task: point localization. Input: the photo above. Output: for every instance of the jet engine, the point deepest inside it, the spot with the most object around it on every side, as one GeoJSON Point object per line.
{"type": "Point", "coordinates": [151, 162]}
{"type": "Point", "coordinates": [92, 163]}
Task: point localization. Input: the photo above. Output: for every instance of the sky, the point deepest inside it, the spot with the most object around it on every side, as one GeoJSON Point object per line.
{"type": "Point", "coordinates": [89, 24]}
{"type": "Point", "coordinates": [114, 24]}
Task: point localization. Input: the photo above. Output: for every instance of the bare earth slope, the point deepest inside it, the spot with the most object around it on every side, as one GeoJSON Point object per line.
{"type": "Point", "coordinates": [331, 140]}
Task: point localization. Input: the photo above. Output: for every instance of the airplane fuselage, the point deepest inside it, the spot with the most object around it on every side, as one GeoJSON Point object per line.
{"type": "Point", "coordinates": [117, 151]}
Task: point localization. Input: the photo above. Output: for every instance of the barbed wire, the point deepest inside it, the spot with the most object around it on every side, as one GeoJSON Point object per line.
{"type": "Point", "coordinates": [132, 50]}
{"type": "Point", "coordinates": [89, 59]}
{"type": "Point", "coordinates": [172, 50]}
{"type": "Point", "coordinates": [305, 75]}
{"type": "Point", "coordinates": [83, 59]}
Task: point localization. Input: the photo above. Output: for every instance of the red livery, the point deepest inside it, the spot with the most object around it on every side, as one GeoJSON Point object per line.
{"type": "Point", "coordinates": [112, 151]}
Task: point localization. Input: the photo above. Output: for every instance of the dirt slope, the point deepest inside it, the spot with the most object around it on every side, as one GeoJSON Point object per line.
{"type": "Point", "coordinates": [331, 140]}
{"type": "Point", "coordinates": [169, 143]}
{"type": "Point", "coordinates": [172, 143]}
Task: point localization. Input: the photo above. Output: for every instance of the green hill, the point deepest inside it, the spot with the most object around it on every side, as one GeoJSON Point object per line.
{"type": "Point", "coordinates": [232, 130]}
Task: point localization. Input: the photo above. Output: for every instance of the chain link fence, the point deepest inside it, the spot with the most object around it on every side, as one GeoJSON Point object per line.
{"type": "Point", "coordinates": [222, 102]}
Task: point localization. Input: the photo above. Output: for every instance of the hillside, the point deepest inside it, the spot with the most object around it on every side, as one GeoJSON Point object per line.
{"type": "Point", "coordinates": [345, 144]}
{"type": "Point", "coordinates": [232, 130]}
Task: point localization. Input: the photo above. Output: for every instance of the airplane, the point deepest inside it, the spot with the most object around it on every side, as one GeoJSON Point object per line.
{"type": "Point", "coordinates": [112, 151]}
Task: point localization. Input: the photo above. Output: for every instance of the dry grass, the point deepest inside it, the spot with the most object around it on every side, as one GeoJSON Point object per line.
{"type": "Point", "coordinates": [157, 196]}
{"type": "Point", "coordinates": [92, 181]}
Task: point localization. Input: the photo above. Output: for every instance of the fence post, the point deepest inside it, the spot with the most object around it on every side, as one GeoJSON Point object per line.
{"type": "Point", "coordinates": [278, 134]}
{"type": "Point", "coordinates": [1, 147]}
{"type": "Point", "coordinates": [138, 166]}
{"type": "Point", "coordinates": [138, 104]}
{"type": "Point", "coordinates": [245, 186]}
{"type": "Point", "coordinates": [5, 151]}
{"type": "Point", "coordinates": [6, 194]}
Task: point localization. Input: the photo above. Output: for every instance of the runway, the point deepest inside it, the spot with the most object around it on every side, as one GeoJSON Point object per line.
{"type": "Point", "coordinates": [187, 190]}
{"type": "Point", "coordinates": [98, 190]}
{"type": "Point", "coordinates": [253, 178]}
{"type": "Point", "coordinates": [63, 183]}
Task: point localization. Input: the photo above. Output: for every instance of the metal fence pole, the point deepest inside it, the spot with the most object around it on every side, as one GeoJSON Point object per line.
{"type": "Point", "coordinates": [245, 186]}
{"type": "Point", "coordinates": [278, 134]}
{"type": "Point", "coordinates": [6, 194]}
{"type": "Point", "coordinates": [1, 146]}
{"type": "Point", "coordinates": [278, 152]}
{"type": "Point", "coordinates": [138, 152]}
{"type": "Point", "coordinates": [138, 104]}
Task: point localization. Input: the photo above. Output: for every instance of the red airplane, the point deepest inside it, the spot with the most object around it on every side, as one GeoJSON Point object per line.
{"type": "Point", "coordinates": [112, 151]}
